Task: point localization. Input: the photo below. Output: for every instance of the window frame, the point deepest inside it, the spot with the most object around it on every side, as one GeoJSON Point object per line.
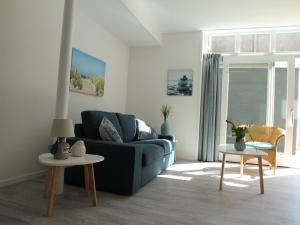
{"type": "Point", "coordinates": [207, 37]}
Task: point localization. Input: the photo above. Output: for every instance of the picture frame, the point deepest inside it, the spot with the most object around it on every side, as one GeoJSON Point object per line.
{"type": "Point", "coordinates": [180, 82]}
{"type": "Point", "coordinates": [87, 75]}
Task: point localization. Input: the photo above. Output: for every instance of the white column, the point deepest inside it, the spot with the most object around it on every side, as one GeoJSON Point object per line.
{"type": "Point", "coordinates": [63, 82]}
{"type": "Point", "coordinates": [62, 97]}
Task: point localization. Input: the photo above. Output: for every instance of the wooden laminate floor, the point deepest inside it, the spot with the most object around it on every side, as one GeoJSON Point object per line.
{"type": "Point", "coordinates": [187, 193]}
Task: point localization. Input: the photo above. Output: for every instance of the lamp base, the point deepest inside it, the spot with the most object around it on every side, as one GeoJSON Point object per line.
{"type": "Point", "coordinates": [62, 151]}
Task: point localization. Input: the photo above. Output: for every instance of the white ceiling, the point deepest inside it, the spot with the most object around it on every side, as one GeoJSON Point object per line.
{"type": "Point", "coordinates": [116, 18]}
{"type": "Point", "coordinates": [188, 15]}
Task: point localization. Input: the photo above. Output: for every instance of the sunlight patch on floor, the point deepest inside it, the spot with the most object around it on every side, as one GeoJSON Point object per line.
{"type": "Point", "coordinates": [190, 166]}
{"type": "Point", "coordinates": [197, 166]}
{"type": "Point", "coordinates": [176, 177]}
{"type": "Point", "coordinates": [199, 173]}
{"type": "Point", "coordinates": [233, 184]}
{"type": "Point", "coordinates": [186, 171]}
{"type": "Point", "coordinates": [281, 172]}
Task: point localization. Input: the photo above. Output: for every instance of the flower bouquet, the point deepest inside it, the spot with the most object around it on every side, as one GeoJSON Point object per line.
{"type": "Point", "coordinates": [239, 131]}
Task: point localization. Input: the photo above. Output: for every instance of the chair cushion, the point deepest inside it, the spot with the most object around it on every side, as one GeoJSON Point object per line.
{"type": "Point", "coordinates": [128, 125]}
{"type": "Point", "coordinates": [108, 132]}
{"type": "Point", "coordinates": [144, 131]}
{"type": "Point", "coordinates": [260, 145]}
{"type": "Point", "coordinates": [166, 145]}
{"type": "Point", "coordinates": [91, 121]}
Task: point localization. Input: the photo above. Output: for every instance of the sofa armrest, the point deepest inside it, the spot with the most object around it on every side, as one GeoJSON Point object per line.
{"type": "Point", "coordinates": [121, 170]}
{"type": "Point", "coordinates": [168, 137]}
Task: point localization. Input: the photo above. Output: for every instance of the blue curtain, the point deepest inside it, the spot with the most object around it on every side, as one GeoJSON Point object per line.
{"type": "Point", "coordinates": [210, 108]}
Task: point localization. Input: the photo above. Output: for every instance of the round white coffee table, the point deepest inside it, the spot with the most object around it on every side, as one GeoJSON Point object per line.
{"type": "Point", "coordinates": [86, 161]}
{"type": "Point", "coordinates": [229, 149]}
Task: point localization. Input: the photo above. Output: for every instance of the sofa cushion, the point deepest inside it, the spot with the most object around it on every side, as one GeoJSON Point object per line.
{"type": "Point", "coordinates": [91, 121]}
{"type": "Point", "coordinates": [128, 125]}
{"type": "Point", "coordinates": [166, 145]}
{"type": "Point", "coordinates": [79, 132]}
{"type": "Point", "coordinates": [108, 132]}
{"type": "Point", "coordinates": [144, 131]}
{"type": "Point", "coordinates": [151, 153]}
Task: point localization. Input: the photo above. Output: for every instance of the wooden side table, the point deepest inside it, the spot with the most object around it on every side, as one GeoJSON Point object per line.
{"type": "Point", "coordinates": [249, 151]}
{"type": "Point", "coordinates": [86, 161]}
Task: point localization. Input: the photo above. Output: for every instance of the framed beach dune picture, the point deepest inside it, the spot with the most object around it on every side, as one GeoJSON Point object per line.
{"type": "Point", "coordinates": [180, 82]}
{"type": "Point", "coordinates": [87, 74]}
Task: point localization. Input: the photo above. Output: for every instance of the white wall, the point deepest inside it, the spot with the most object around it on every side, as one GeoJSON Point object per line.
{"type": "Point", "coordinates": [147, 84]}
{"type": "Point", "coordinates": [96, 41]}
{"type": "Point", "coordinates": [141, 11]}
{"type": "Point", "coordinates": [29, 56]}
{"type": "Point", "coordinates": [29, 49]}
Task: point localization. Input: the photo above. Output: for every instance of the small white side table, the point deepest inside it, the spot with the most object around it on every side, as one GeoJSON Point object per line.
{"type": "Point", "coordinates": [54, 165]}
{"type": "Point", "coordinates": [229, 149]}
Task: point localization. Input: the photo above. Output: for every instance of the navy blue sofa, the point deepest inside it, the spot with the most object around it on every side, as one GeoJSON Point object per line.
{"type": "Point", "coordinates": [127, 166]}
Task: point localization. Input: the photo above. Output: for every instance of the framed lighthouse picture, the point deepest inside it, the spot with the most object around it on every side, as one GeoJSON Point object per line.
{"type": "Point", "coordinates": [180, 82]}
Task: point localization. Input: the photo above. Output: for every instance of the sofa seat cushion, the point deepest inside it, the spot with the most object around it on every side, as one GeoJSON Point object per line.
{"type": "Point", "coordinates": [151, 153]}
{"type": "Point", "coordinates": [91, 121]}
{"type": "Point", "coordinates": [128, 125]}
{"type": "Point", "coordinates": [166, 145]}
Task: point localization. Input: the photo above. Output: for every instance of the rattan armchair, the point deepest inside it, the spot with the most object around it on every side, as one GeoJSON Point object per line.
{"type": "Point", "coordinates": [264, 133]}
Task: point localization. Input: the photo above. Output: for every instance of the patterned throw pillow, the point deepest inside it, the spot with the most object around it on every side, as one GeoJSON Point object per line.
{"type": "Point", "coordinates": [144, 131]}
{"type": "Point", "coordinates": [108, 132]}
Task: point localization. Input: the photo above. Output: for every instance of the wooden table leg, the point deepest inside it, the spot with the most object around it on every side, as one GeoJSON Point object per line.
{"type": "Point", "coordinates": [222, 172]}
{"type": "Point", "coordinates": [242, 165]}
{"type": "Point", "coordinates": [48, 182]}
{"type": "Point", "coordinates": [261, 177]}
{"type": "Point", "coordinates": [92, 184]}
{"type": "Point", "coordinates": [52, 190]}
{"type": "Point", "coordinates": [87, 179]}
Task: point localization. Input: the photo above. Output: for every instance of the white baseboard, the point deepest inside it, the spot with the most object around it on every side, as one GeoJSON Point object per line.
{"type": "Point", "coordinates": [19, 179]}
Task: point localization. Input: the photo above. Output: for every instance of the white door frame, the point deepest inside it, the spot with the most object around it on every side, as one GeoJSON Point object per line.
{"type": "Point", "coordinates": [270, 59]}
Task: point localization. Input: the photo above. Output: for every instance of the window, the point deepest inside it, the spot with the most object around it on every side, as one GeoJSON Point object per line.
{"type": "Point", "coordinates": [247, 43]}
{"type": "Point", "coordinates": [254, 42]}
{"type": "Point", "coordinates": [288, 42]}
{"type": "Point", "coordinates": [223, 44]}
{"type": "Point", "coordinates": [262, 42]}
{"type": "Point", "coordinates": [247, 95]}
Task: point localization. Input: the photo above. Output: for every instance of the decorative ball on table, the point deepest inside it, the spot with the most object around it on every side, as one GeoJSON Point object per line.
{"type": "Point", "coordinates": [165, 127]}
{"type": "Point", "coordinates": [239, 131]}
{"type": "Point", "coordinates": [78, 149]}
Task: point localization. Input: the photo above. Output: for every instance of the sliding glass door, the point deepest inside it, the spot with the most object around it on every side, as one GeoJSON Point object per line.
{"type": "Point", "coordinates": [281, 75]}
{"type": "Point", "coordinates": [296, 142]}
{"type": "Point", "coordinates": [262, 90]}
{"type": "Point", "coordinates": [280, 95]}
{"type": "Point", "coordinates": [247, 95]}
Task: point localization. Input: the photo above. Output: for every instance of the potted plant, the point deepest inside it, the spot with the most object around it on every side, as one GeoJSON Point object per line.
{"type": "Point", "coordinates": [239, 131]}
{"type": "Point", "coordinates": [165, 111]}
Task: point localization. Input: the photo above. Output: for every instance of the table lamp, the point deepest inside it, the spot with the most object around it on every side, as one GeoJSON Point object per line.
{"type": "Point", "coordinates": [61, 129]}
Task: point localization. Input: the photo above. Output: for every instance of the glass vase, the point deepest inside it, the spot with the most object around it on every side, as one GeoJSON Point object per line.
{"type": "Point", "coordinates": [240, 145]}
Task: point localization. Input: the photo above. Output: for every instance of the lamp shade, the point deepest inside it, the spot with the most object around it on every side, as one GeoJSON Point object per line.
{"type": "Point", "coordinates": [62, 128]}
